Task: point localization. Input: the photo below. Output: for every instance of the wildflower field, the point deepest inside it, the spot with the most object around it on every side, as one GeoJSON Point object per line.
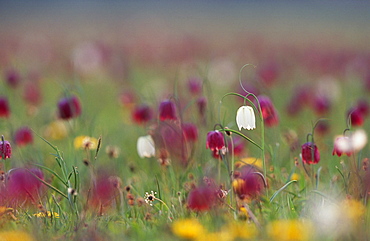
{"type": "Point", "coordinates": [153, 135]}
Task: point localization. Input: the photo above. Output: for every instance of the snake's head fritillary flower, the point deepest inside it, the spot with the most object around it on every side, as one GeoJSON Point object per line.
{"type": "Point", "coordinates": [142, 114]}
{"type": "Point", "coordinates": [23, 136]}
{"type": "Point", "coordinates": [202, 104]}
{"type": "Point", "coordinates": [201, 198]}
{"type": "Point", "coordinates": [356, 116]}
{"type": "Point", "coordinates": [69, 107]}
{"type": "Point", "coordinates": [268, 72]}
{"type": "Point", "coordinates": [215, 141]}
{"type": "Point", "coordinates": [310, 153]}
{"type": "Point", "coordinates": [269, 113]}
{"type": "Point", "coordinates": [23, 185]}
{"type": "Point", "coordinates": [190, 132]}
{"type": "Point", "coordinates": [245, 118]}
{"type": "Point", "coordinates": [5, 149]}
{"type": "Point", "coordinates": [167, 110]}
{"type": "Point", "coordinates": [321, 104]}
{"type": "Point", "coordinates": [342, 144]}
{"type": "Point", "coordinates": [249, 184]}
{"type": "Point", "coordinates": [32, 93]}
{"type": "Point", "coordinates": [363, 106]}
{"type": "Point", "coordinates": [105, 190]}
{"type": "Point", "coordinates": [4, 107]}
{"type": "Point", "coordinates": [145, 146]}
{"type": "Point", "coordinates": [12, 78]}
{"type": "Point", "coordinates": [195, 85]}
{"type": "Point", "coordinates": [356, 141]}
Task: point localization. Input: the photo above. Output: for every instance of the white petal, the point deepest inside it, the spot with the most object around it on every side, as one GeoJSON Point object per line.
{"type": "Point", "coordinates": [145, 146]}
{"type": "Point", "coordinates": [245, 118]}
{"type": "Point", "coordinates": [359, 139]}
{"type": "Point", "coordinates": [239, 118]}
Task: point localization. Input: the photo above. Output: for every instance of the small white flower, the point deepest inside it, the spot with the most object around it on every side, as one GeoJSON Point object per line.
{"type": "Point", "coordinates": [150, 197]}
{"type": "Point", "coordinates": [145, 146]}
{"type": "Point", "coordinates": [356, 141]}
{"type": "Point", "coordinates": [245, 118]}
{"type": "Point", "coordinates": [359, 139]}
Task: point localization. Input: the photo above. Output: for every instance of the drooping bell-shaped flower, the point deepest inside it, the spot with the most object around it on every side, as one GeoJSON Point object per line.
{"type": "Point", "coordinates": [4, 107]}
{"type": "Point", "coordinates": [342, 144]}
{"type": "Point", "coordinates": [269, 113]}
{"type": "Point", "coordinates": [142, 114]}
{"type": "Point", "coordinates": [167, 110]}
{"type": "Point", "coordinates": [5, 149]}
{"type": "Point", "coordinates": [356, 116]}
{"type": "Point", "coordinates": [145, 146]}
{"type": "Point", "coordinates": [195, 85]}
{"type": "Point", "coordinates": [310, 153]}
{"type": "Point", "coordinates": [201, 198]}
{"type": "Point", "coordinates": [245, 118]}
{"type": "Point", "coordinates": [69, 107]}
{"type": "Point", "coordinates": [355, 141]}
{"type": "Point", "coordinates": [23, 185]}
{"type": "Point", "coordinates": [249, 184]}
{"type": "Point", "coordinates": [190, 131]}
{"type": "Point", "coordinates": [215, 141]}
{"type": "Point", "coordinates": [201, 105]}
{"type": "Point", "coordinates": [23, 136]}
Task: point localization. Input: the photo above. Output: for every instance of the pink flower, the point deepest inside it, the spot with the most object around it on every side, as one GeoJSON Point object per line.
{"type": "Point", "coordinates": [310, 153]}
{"type": "Point", "coordinates": [300, 99]}
{"type": "Point", "coordinates": [321, 105]}
{"type": "Point", "coordinates": [269, 113]}
{"type": "Point", "coordinates": [356, 116]}
{"type": "Point", "coordinates": [142, 114]}
{"type": "Point", "coordinates": [363, 107]}
{"type": "Point", "coordinates": [167, 110]}
{"type": "Point", "coordinates": [215, 141]}
{"type": "Point", "coordinates": [201, 198]}
{"type": "Point", "coordinates": [12, 78]}
{"type": "Point", "coordinates": [249, 184]}
{"type": "Point", "coordinates": [268, 72]}
{"type": "Point", "coordinates": [32, 93]}
{"type": "Point", "coordinates": [195, 86]}
{"type": "Point", "coordinates": [5, 149]}
{"type": "Point", "coordinates": [22, 185]}
{"type": "Point", "coordinates": [202, 104]}
{"type": "Point", "coordinates": [69, 107]}
{"type": "Point", "coordinates": [105, 190]}
{"type": "Point", "coordinates": [190, 132]}
{"type": "Point", "coordinates": [4, 107]}
{"type": "Point", "coordinates": [23, 136]}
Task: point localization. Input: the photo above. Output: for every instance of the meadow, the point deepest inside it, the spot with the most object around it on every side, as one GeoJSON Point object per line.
{"type": "Point", "coordinates": [183, 139]}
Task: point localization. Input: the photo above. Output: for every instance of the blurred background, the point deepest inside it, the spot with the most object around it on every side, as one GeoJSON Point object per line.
{"type": "Point", "coordinates": [346, 21]}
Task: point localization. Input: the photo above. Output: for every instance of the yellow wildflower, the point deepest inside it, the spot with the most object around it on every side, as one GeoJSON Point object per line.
{"type": "Point", "coordinates": [15, 236]}
{"type": "Point", "coordinates": [46, 214]}
{"type": "Point", "coordinates": [290, 230]}
{"type": "Point", "coordinates": [56, 130]}
{"type": "Point", "coordinates": [188, 229]}
{"type": "Point", "coordinates": [257, 162]}
{"type": "Point", "coordinates": [85, 142]}
{"type": "Point", "coordinates": [216, 236]}
{"type": "Point", "coordinates": [295, 177]}
{"type": "Point", "coordinates": [353, 209]}
{"type": "Point", "coordinates": [242, 230]}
